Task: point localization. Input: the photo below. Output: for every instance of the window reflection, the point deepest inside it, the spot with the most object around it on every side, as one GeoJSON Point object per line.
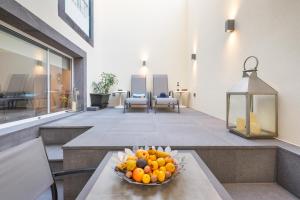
{"type": "Point", "coordinates": [60, 82]}
{"type": "Point", "coordinates": [24, 80]}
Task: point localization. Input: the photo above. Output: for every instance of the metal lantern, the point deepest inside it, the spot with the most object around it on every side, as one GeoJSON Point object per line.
{"type": "Point", "coordinates": [252, 106]}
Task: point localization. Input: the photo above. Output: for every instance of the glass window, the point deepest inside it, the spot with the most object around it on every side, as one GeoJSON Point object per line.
{"type": "Point", "coordinates": [79, 12]}
{"type": "Point", "coordinates": [23, 79]}
{"type": "Point", "coordinates": [25, 91]}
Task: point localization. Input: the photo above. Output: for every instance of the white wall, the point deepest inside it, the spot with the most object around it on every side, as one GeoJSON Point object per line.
{"type": "Point", "coordinates": [125, 33]}
{"type": "Point", "coordinates": [268, 29]}
{"type": "Point", "coordinates": [128, 31]}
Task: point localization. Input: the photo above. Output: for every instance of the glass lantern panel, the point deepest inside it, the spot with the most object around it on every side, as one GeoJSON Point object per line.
{"type": "Point", "coordinates": [237, 113]}
{"type": "Point", "coordinates": [263, 115]}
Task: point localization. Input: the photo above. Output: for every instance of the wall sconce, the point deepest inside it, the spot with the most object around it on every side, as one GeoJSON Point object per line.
{"type": "Point", "coordinates": [194, 56]}
{"type": "Point", "coordinates": [229, 25]}
{"type": "Point", "coordinates": [144, 63]}
{"type": "Point", "coordinates": [39, 63]}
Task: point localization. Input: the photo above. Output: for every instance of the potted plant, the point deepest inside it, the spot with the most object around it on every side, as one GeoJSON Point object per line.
{"type": "Point", "coordinates": [100, 95]}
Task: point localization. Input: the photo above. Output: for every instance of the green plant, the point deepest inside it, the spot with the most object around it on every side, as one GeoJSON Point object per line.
{"type": "Point", "coordinates": [106, 81]}
{"type": "Point", "coordinates": [64, 101]}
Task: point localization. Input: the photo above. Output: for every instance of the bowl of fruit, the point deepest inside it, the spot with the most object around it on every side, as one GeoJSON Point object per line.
{"type": "Point", "coordinates": [148, 165]}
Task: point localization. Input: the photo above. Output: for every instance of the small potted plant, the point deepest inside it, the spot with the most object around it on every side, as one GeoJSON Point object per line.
{"type": "Point", "coordinates": [100, 95]}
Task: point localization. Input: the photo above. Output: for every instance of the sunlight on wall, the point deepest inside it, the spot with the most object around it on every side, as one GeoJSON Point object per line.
{"type": "Point", "coordinates": [194, 69]}
{"type": "Point", "coordinates": [143, 70]}
{"type": "Point", "coordinates": [144, 56]}
{"type": "Point", "coordinates": [40, 54]}
{"type": "Point", "coordinates": [234, 6]}
{"type": "Point", "coordinates": [232, 44]}
{"type": "Point", "coordinates": [38, 70]}
{"type": "Point", "coordinates": [195, 46]}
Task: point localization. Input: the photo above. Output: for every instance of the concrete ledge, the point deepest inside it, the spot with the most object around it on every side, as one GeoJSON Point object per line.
{"type": "Point", "coordinates": [15, 135]}
{"type": "Point", "coordinates": [60, 135]}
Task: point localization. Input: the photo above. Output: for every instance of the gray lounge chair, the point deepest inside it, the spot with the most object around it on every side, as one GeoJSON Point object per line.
{"type": "Point", "coordinates": [138, 95]}
{"type": "Point", "coordinates": [161, 93]}
{"type": "Point", "coordinates": [25, 172]}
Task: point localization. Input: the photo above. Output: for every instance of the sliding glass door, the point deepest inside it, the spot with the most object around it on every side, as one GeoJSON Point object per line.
{"type": "Point", "coordinates": [34, 80]}
{"type": "Point", "coordinates": [60, 82]}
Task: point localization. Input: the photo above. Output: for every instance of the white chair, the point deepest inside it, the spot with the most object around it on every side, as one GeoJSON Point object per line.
{"type": "Point", "coordinates": [26, 175]}
{"type": "Point", "coordinates": [138, 95]}
{"type": "Point", "coordinates": [160, 87]}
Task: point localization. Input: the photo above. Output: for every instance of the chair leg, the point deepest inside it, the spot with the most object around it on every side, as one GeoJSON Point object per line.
{"type": "Point", "coordinates": [54, 191]}
{"type": "Point", "coordinates": [178, 108]}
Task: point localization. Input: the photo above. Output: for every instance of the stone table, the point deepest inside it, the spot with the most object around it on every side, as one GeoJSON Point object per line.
{"type": "Point", "coordinates": [194, 182]}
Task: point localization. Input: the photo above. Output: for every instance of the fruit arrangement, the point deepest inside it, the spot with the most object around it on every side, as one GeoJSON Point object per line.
{"type": "Point", "coordinates": [148, 165]}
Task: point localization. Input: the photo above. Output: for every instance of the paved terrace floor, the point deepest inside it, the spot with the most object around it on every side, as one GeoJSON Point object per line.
{"type": "Point", "coordinates": [190, 128]}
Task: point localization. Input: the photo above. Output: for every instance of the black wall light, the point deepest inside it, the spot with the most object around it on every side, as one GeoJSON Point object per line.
{"type": "Point", "coordinates": [194, 56]}
{"type": "Point", "coordinates": [144, 63]}
{"type": "Point", "coordinates": [39, 63]}
{"type": "Point", "coordinates": [229, 25]}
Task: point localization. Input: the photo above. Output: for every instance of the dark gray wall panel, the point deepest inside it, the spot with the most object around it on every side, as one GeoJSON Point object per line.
{"type": "Point", "coordinates": [288, 174]}
{"type": "Point", "coordinates": [241, 165]}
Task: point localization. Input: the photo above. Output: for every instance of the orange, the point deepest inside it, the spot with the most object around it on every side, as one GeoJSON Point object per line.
{"type": "Point", "coordinates": [168, 159]}
{"type": "Point", "coordinates": [152, 151]}
{"type": "Point", "coordinates": [170, 167]}
{"type": "Point", "coordinates": [138, 174]}
{"type": "Point", "coordinates": [161, 162]}
{"type": "Point", "coordinates": [149, 162]}
{"type": "Point", "coordinates": [146, 178]}
{"type": "Point", "coordinates": [152, 157]}
{"type": "Point", "coordinates": [163, 169]}
{"type": "Point", "coordinates": [155, 172]}
{"type": "Point", "coordinates": [154, 165]}
{"type": "Point", "coordinates": [142, 154]}
{"type": "Point", "coordinates": [161, 176]}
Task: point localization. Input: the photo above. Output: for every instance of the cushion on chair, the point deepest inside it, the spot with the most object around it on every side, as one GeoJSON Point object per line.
{"type": "Point", "coordinates": [166, 101]}
{"type": "Point", "coordinates": [163, 95]}
{"type": "Point", "coordinates": [138, 96]}
{"type": "Point", "coordinates": [137, 101]}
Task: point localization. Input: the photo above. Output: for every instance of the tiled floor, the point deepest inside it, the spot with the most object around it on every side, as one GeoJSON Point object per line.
{"type": "Point", "coordinates": [110, 127]}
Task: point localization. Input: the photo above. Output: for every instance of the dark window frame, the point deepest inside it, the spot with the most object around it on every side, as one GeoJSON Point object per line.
{"type": "Point", "coordinates": [64, 16]}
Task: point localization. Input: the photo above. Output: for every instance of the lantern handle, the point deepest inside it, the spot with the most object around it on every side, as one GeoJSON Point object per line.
{"type": "Point", "coordinates": [255, 68]}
